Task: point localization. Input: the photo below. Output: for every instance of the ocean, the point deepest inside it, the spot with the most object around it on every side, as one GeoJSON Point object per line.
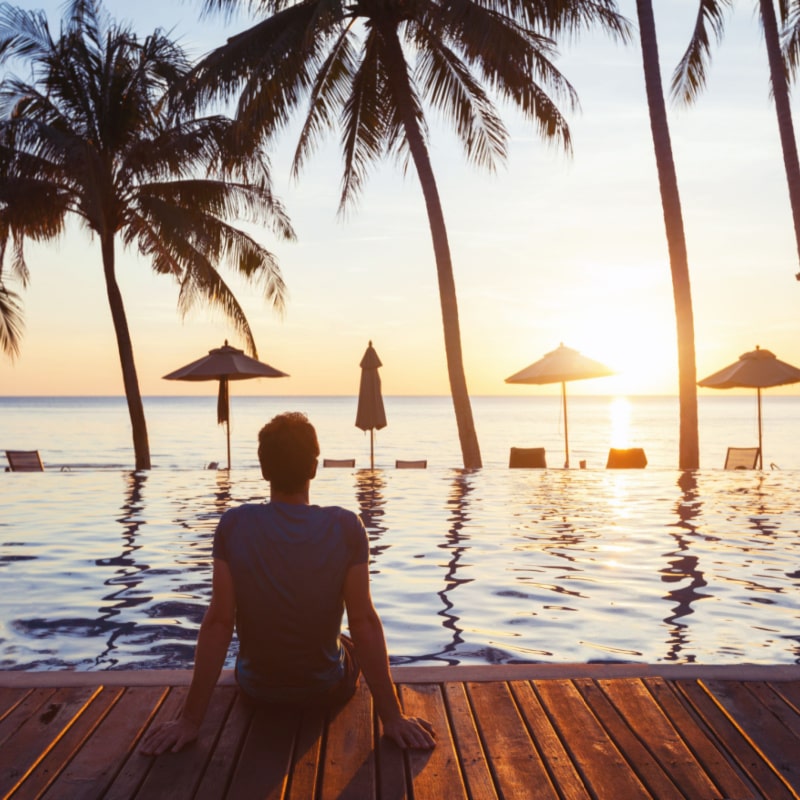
{"type": "Point", "coordinates": [94, 432]}
{"type": "Point", "coordinates": [102, 567]}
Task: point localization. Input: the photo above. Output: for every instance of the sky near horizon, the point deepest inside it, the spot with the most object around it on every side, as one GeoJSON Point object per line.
{"type": "Point", "coordinates": [549, 249]}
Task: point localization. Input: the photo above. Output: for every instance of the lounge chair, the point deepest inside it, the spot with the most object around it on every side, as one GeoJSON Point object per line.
{"type": "Point", "coordinates": [420, 463]}
{"type": "Point", "coordinates": [527, 457]}
{"type": "Point", "coordinates": [24, 461]}
{"type": "Point", "coordinates": [338, 462]}
{"type": "Point", "coordinates": [741, 458]}
{"type": "Point", "coordinates": [626, 458]}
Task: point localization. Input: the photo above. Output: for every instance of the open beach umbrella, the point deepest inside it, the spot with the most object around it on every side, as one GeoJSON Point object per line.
{"type": "Point", "coordinates": [370, 415]}
{"type": "Point", "coordinates": [759, 369]}
{"type": "Point", "coordinates": [224, 364]}
{"type": "Point", "coordinates": [559, 366]}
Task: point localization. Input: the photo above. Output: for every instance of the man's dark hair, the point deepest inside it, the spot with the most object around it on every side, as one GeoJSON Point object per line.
{"type": "Point", "coordinates": [287, 451]}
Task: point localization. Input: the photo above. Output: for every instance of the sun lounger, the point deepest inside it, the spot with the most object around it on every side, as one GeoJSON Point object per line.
{"type": "Point", "coordinates": [532, 457]}
{"type": "Point", "coordinates": [741, 458]}
{"type": "Point", "coordinates": [626, 458]}
{"type": "Point", "coordinates": [24, 461]}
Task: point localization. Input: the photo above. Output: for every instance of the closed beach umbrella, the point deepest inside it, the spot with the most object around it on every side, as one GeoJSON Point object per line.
{"type": "Point", "coordinates": [224, 364]}
{"type": "Point", "coordinates": [759, 369]}
{"type": "Point", "coordinates": [559, 366]}
{"type": "Point", "coordinates": [370, 415]}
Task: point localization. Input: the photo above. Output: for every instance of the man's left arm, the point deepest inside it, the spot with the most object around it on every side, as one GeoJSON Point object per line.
{"type": "Point", "coordinates": [213, 641]}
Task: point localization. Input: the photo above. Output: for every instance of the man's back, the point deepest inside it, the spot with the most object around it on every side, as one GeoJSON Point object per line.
{"type": "Point", "coordinates": [288, 563]}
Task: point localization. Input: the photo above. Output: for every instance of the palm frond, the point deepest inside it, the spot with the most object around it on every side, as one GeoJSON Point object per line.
{"type": "Point", "coordinates": [328, 97]}
{"type": "Point", "coordinates": [363, 121]}
{"type": "Point", "coordinates": [566, 18]}
{"type": "Point", "coordinates": [790, 36]}
{"type": "Point", "coordinates": [195, 233]}
{"type": "Point", "coordinates": [23, 34]}
{"type": "Point", "coordinates": [266, 66]}
{"type": "Point", "coordinates": [11, 320]}
{"type": "Point", "coordinates": [689, 77]}
{"type": "Point", "coordinates": [446, 82]}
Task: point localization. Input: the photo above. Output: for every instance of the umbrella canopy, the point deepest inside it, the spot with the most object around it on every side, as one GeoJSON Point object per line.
{"type": "Point", "coordinates": [370, 414]}
{"type": "Point", "coordinates": [224, 364]}
{"type": "Point", "coordinates": [559, 366]}
{"type": "Point", "coordinates": [759, 369]}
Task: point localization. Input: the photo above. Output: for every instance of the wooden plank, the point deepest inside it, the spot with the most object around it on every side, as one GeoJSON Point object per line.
{"type": "Point", "coordinates": [626, 736]}
{"type": "Point", "coordinates": [789, 691]}
{"type": "Point", "coordinates": [477, 776]}
{"type": "Point", "coordinates": [725, 773]}
{"type": "Point", "coordinates": [135, 770]}
{"type": "Point", "coordinates": [263, 766]}
{"type": "Point", "coordinates": [38, 733]}
{"type": "Point", "coordinates": [555, 756]}
{"type": "Point", "coordinates": [305, 770]}
{"type": "Point", "coordinates": [639, 708]}
{"type": "Point", "coordinates": [57, 755]}
{"type": "Point", "coordinates": [391, 769]}
{"type": "Point", "coordinates": [223, 757]}
{"type": "Point", "coordinates": [348, 770]}
{"type": "Point", "coordinates": [10, 698]}
{"type": "Point", "coordinates": [513, 758]}
{"type": "Point", "coordinates": [596, 756]}
{"type": "Point", "coordinates": [763, 727]}
{"type": "Point", "coordinates": [176, 776]}
{"type": "Point", "coordinates": [92, 770]}
{"type": "Point", "coordinates": [17, 716]}
{"type": "Point", "coordinates": [731, 738]}
{"type": "Point", "coordinates": [783, 709]}
{"type": "Point", "coordinates": [434, 773]}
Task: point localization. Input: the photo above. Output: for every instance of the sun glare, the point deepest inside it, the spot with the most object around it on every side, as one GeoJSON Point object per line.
{"type": "Point", "coordinates": [620, 413]}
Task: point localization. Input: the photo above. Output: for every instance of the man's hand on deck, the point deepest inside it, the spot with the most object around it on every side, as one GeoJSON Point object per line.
{"type": "Point", "coordinates": [169, 736]}
{"type": "Point", "coordinates": [411, 733]}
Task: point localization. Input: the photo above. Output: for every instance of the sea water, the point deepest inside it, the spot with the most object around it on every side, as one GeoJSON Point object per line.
{"type": "Point", "coordinates": [103, 567]}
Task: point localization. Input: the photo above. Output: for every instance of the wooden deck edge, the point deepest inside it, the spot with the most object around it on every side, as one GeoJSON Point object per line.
{"type": "Point", "coordinates": [407, 674]}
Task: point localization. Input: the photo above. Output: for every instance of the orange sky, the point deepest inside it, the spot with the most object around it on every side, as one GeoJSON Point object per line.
{"type": "Point", "coordinates": [550, 249]}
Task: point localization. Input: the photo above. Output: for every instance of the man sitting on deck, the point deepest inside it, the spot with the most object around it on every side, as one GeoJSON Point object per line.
{"type": "Point", "coordinates": [284, 572]}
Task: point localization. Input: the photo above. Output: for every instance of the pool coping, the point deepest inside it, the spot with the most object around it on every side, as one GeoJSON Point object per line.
{"type": "Point", "coordinates": [440, 674]}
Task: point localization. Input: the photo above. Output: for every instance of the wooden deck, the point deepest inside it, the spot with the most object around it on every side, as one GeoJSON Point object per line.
{"type": "Point", "coordinates": [503, 732]}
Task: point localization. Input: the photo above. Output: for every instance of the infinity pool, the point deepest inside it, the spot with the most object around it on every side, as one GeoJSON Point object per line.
{"type": "Point", "coordinates": [103, 569]}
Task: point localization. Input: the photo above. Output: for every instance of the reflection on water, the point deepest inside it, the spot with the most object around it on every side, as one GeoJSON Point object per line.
{"type": "Point", "coordinates": [683, 569]}
{"type": "Point", "coordinates": [102, 569]}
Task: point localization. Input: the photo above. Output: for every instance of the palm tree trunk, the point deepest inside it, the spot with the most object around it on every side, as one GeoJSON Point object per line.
{"type": "Point", "coordinates": [130, 380]}
{"type": "Point", "coordinates": [780, 93]}
{"type": "Point", "coordinates": [689, 447]}
{"type": "Point", "coordinates": [397, 69]}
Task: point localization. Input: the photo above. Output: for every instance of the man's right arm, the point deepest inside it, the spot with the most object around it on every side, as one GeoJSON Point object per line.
{"type": "Point", "coordinates": [366, 631]}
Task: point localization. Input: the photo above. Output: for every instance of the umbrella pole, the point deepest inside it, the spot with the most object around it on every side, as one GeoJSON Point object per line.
{"type": "Point", "coordinates": [372, 448]}
{"type": "Point", "coordinates": [566, 427]}
{"type": "Point", "coordinates": [760, 448]}
{"type": "Point", "coordinates": [228, 435]}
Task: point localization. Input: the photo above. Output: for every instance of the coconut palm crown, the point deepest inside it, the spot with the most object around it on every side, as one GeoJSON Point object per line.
{"type": "Point", "coordinates": [370, 68]}
{"type": "Point", "coordinates": [89, 136]}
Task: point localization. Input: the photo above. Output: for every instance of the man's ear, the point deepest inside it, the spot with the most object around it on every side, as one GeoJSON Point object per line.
{"type": "Point", "coordinates": [265, 474]}
{"type": "Point", "coordinates": [314, 470]}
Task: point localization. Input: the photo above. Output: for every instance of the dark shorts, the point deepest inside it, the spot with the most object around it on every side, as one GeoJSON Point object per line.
{"type": "Point", "coordinates": [336, 696]}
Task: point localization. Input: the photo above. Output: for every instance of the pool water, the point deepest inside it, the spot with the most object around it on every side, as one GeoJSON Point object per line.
{"type": "Point", "coordinates": [103, 569]}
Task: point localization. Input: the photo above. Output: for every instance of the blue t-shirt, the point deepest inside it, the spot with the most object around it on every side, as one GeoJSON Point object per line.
{"type": "Point", "coordinates": [288, 564]}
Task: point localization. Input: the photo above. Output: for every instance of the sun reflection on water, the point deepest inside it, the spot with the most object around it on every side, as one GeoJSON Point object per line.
{"type": "Point", "coordinates": [620, 413]}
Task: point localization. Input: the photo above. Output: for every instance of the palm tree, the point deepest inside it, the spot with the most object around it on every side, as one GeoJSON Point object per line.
{"type": "Point", "coordinates": [688, 445]}
{"type": "Point", "coordinates": [91, 137]}
{"type": "Point", "coordinates": [368, 65]}
{"type": "Point", "coordinates": [689, 77]}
